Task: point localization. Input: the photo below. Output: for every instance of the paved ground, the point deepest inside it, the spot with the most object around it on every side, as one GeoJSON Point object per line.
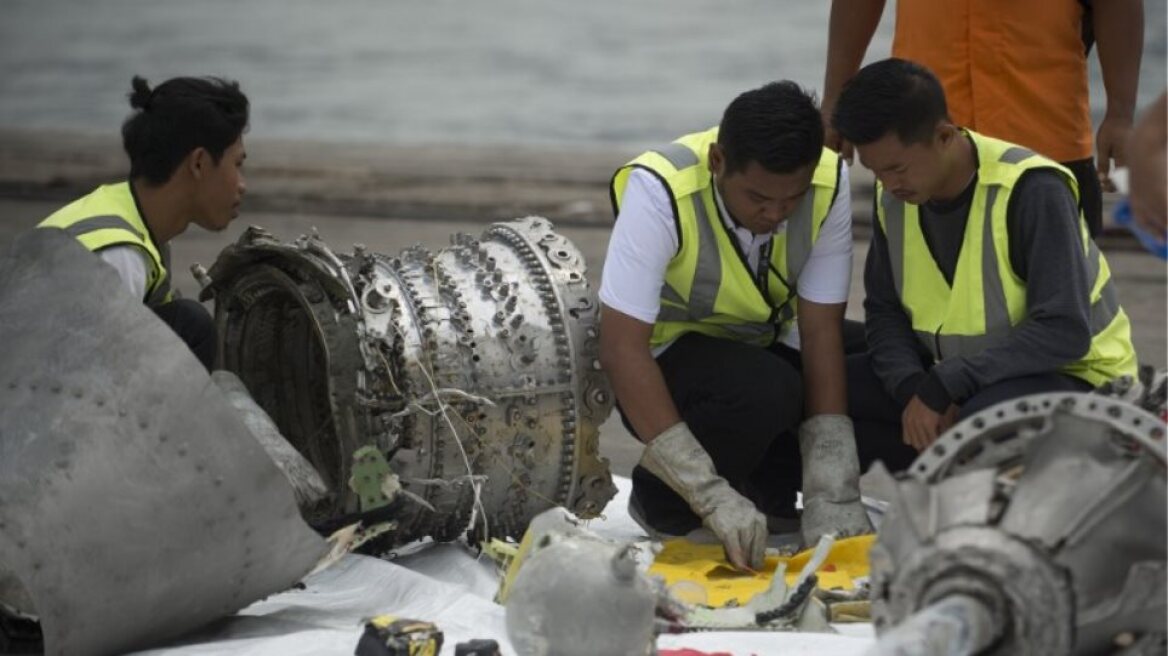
{"type": "Point", "coordinates": [1141, 279]}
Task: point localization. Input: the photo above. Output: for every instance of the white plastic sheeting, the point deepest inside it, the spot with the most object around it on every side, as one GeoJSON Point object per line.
{"type": "Point", "coordinates": [447, 585]}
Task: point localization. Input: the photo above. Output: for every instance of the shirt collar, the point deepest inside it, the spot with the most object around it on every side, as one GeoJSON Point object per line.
{"type": "Point", "coordinates": [141, 214]}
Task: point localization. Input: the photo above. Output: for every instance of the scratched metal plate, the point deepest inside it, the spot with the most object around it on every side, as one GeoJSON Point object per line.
{"type": "Point", "coordinates": [134, 504]}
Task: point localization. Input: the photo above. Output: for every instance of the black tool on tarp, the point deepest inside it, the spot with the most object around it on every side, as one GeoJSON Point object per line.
{"type": "Point", "coordinates": [388, 635]}
{"type": "Point", "coordinates": [479, 647]}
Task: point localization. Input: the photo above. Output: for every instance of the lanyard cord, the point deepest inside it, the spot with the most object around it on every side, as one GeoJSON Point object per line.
{"type": "Point", "coordinates": [791, 292]}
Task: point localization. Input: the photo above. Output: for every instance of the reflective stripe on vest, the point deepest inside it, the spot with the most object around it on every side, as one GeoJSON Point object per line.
{"type": "Point", "coordinates": [695, 295]}
{"type": "Point", "coordinates": [96, 223]}
{"type": "Point", "coordinates": [1002, 300]}
{"type": "Point", "coordinates": [704, 290]}
{"type": "Point", "coordinates": [109, 217]}
{"type": "Point", "coordinates": [680, 156]}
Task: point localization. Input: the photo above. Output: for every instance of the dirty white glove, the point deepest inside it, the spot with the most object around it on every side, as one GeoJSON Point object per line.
{"type": "Point", "coordinates": [831, 479]}
{"type": "Point", "coordinates": [676, 457]}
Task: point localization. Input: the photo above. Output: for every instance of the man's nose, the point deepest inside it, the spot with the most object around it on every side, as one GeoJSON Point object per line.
{"type": "Point", "coordinates": [774, 212]}
{"type": "Point", "coordinates": [893, 182]}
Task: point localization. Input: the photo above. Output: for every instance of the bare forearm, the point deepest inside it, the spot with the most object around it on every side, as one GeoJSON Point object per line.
{"type": "Point", "coordinates": [640, 389]}
{"type": "Point", "coordinates": [1119, 35]}
{"type": "Point", "coordinates": [822, 344]}
{"type": "Point", "coordinates": [853, 22]}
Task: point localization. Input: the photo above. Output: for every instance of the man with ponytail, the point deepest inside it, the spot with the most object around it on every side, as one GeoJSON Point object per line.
{"type": "Point", "coordinates": [185, 144]}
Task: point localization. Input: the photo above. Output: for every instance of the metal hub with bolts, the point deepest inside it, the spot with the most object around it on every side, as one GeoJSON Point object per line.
{"type": "Point", "coordinates": [1036, 526]}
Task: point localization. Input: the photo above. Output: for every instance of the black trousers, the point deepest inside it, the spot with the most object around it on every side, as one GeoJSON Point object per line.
{"type": "Point", "coordinates": [876, 415]}
{"type": "Point", "coordinates": [744, 405]}
{"type": "Point", "coordinates": [194, 325]}
{"type": "Point", "coordinates": [1090, 193]}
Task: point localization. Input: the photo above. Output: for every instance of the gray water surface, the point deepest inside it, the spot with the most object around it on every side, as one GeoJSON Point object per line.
{"type": "Point", "coordinates": [433, 71]}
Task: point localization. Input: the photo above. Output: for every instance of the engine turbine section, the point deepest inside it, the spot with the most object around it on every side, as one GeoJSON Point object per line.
{"type": "Point", "coordinates": [472, 371]}
{"type": "Point", "coordinates": [1036, 526]}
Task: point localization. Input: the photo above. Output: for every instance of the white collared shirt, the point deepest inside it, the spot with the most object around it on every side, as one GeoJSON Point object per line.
{"type": "Point", "coordinates": [645, 239]}
{"type": "Point", "coordinates": [131, 265]}
{"type": "Point", "coordinates": [752, 245]}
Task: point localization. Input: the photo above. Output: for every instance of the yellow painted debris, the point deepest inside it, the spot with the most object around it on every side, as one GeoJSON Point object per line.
{"type": "Point", "coordinates": [705, 565]}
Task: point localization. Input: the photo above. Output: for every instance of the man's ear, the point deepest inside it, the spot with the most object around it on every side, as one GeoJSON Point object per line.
{"type": "Point", "coordinates": [197, 162]}
{"type": "Point", "coordinates": [945, 133]}
{"type": "Point", "coordinates": [717, 160]}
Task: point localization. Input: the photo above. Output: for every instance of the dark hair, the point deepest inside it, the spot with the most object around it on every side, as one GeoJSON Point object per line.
{"type": "Point", "coordinates": [894, 95]}
{"type": "Point", "coordinates": [180, 115]}
{"type": "Point", "coordinates": [777, 125]}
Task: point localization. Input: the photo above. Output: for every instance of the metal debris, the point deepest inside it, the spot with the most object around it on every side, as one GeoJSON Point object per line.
{"type": "Point", "coordinates": [1034, 527]}
{"type": "Point", "coordinates": [780, 607]}
{"type": "Point", "coordinates": [576, 593]}
{"type": "Point", "coordinates": [135, 504]}
{"type": "Point", "coordinates": [307, 487]}
{"type": "Point", "coordinates": [472, 369]}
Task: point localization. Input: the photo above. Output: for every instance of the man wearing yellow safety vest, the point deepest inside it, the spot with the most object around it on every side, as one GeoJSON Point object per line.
{"type": "Point", "coordinates": [723, 299]}
{"type": "Point", "coordinates": [185, 145]}
{"type": "Point", "coordinates": [982, 284]}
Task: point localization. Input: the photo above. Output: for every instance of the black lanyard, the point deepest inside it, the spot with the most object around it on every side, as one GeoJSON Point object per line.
{"type": "Point", "coordinates": [764, 265]}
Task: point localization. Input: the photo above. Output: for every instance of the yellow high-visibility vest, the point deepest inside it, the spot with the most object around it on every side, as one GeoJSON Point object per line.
{"type": "Point", "coordinates": [709, 286]}
{"type": "Point", "coordinates": [108, 216]}
{"type": "Point", "coordinates": [987, 298]}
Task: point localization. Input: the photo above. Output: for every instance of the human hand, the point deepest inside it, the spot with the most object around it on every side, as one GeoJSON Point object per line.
{"type": "Point", "coordinates": [920, 424]}
{"type": "Point", "coordinates": [677, 458]}
{"type": "Point", "coordinates": [836, 142]}
{"type": "Point", "coordinates": [740, 527]}
{"type": "Point", "coordinates": [831, 480]}
{"type": "Point", "coordinates": [1111, 144]}
{"type": "Point", "coordinates": [948, 419]}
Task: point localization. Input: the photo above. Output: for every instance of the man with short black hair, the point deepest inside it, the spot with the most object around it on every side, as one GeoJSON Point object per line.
{"type": "Point", "coordinates": [725, 241]}
{"type": "Point", "coordinates": [185, 144]}
{"type": "Point", "coordinates": [1012, 70]}
{"type": "Point", "coordinates": [982, 284]}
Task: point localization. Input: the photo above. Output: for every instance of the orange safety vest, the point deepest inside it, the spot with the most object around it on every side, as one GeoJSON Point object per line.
{"type": "Point", "coordinates": [1011, 69]}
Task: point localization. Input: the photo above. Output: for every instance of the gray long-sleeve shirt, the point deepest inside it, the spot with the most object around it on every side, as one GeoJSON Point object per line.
{"type": "Point", "coordinates": [1046, 253]}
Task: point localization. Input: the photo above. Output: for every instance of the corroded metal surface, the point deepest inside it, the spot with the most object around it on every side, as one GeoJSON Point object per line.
{"type": "Point", "coordinates": [1050, 510]}
{"type": "Point", "coordinates": [134, 503]}
{"type": "Point", "coordinates": [475, 365]}
{"type": "Point", "coordinates": [578, 595]}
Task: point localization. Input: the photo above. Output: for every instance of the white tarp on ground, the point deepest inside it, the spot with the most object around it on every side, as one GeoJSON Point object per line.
{"type": "Point", "coordinates": [444, 584]}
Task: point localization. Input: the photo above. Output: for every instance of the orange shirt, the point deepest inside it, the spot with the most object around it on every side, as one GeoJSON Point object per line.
{"type": "Point", "coordinates": [1011, 69]}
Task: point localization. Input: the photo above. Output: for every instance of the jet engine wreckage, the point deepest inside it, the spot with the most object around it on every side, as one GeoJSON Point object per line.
{"type": "Point", "coordinates": [436, 392]}
{"type": "Point", "coordinates": [432, 392]}
{"type": "Point", "coordinates": [469, 374]}
{"type": "Point", "coordinates": [135, 502]}
{"type": "Point", "coordinates": [1036, 526]}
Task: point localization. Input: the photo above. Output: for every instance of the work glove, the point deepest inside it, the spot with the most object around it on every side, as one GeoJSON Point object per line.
{"type": "Point", "coordinates": [831, 480]}
{"type": "Point", "coordinates": [676, 457]}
